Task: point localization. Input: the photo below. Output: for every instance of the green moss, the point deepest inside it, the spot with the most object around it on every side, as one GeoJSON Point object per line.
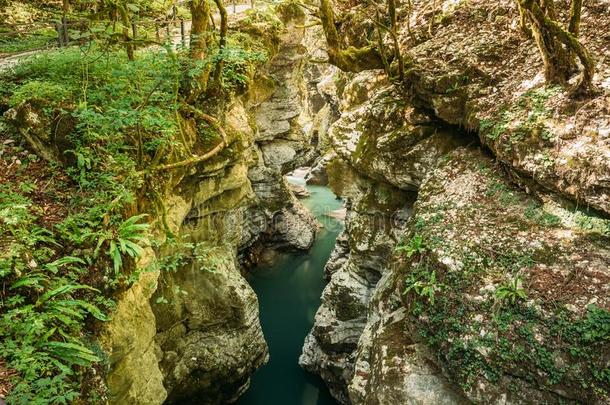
{"type": "Point", "coordinates": [521, 124]}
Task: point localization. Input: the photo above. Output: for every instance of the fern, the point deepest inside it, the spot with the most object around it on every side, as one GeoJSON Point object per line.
{"type": "Point", "coordinates": [415, 246]}
{"type": "Point", "coordinates": [125, 241]}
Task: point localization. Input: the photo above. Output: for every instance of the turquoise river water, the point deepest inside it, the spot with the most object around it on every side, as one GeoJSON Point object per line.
{"type": "Point", "coordinates": [289, 295]}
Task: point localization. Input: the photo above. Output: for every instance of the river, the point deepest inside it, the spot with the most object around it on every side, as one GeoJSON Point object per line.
{"type": "Point", "coordinates": [289, 295]}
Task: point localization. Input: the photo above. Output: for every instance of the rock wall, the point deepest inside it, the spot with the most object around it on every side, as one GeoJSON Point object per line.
{"type": "Point", "coordinates": [197, 326]}
{"type": "Point", "coordinates": [371, 172]}
{"type": "Point", "coordinates": [375, 212]}
{"type": "Point", "coordinates": [206, 313]}
{"type": "Point", "coordinates": [282, 141]}
{"type": "Point", "coordinates": [416, 310]}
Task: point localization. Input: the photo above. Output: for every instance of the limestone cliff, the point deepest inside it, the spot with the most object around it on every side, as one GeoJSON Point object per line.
{"type": "Point", "coordinates": [207, 339]}
{"type": "Point", "coordinates": [456, 293]}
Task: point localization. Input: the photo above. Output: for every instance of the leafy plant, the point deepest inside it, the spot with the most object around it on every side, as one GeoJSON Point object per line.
{"type": "Point", "coordinates": [423, 282]}
{"type": "Point", "coordinates": [511, 291]}
{"type": "Point", "coordinates": [43, 309]}
{"type": "Point", "coordinates": [539, 215]}
{"type": "Point", "coordinates": [39, 90]}
{"type": "Point", "coordinates": [238, 65]}
{"type": "Point", "coordinates": [125, 240]}
{"type": "Point", "coordinates": [416, 245]}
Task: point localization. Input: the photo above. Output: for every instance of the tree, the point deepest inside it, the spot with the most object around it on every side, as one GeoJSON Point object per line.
{"type": "Point", "coordinates": [575, 16]}
{"type": "Point", "coordinates": [350, 59]}
{"type": "Point", "coordinates": [200, 13]}
{"type": "Point", "coordinates": [224, 27]}
{"type": "Point", "coordinates": [126, 23]}
{"type": "Point", "coordinates": [118, 12]}
{"type": "Point", "coordinates": [557, 45]}
{"type": "Point", "coordinates": [201, 17]}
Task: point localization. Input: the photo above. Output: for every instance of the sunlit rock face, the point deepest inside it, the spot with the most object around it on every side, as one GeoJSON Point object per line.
{"type": "Point", "coordinates": [198, 325]}
{"type": "Point", "coordinates": [368, 168]}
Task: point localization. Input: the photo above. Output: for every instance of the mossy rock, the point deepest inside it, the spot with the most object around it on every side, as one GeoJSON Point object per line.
{"type": "Point", "coordinates": [511, 300]}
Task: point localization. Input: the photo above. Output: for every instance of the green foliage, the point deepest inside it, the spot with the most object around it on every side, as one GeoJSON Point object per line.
{"type": "Point", "coordinates": [537, 214]}
{"type": "Point", "coordinates": [61, 271]}
{"type": "Point", "coordinates": [511, 291]}
{"type": "Point", "coordinates": [239, 64]}
{"type": "Point", "coordinates": [43, 308]}
{"type": "Point", "coordinates": [40, 90]}
{"type": "Point", "coordinates": [492, 129]}
{"type": "Point", "coordinates": [35, 39]}
{"type": "Point", "coordinates": [59, 281]}
{"type": "Point", "coordinates": [501, 191]}
{"type": "Point", "coordinates": [178, 253]}
{"type": "Point", "coordinates": [209, 258]}
{"type": "Point", "coordinates": [525, 119]}
{"type": "Point", "coordinates": [422, 281]}
{"type": "Point", "coordinates": [497, 334]}
{"type": "Point", "coordinates": [416, 245]}
{"type": "Point", "coordinates": [595, 327]}
{"type": "Point", "coordinates": [124, 241]}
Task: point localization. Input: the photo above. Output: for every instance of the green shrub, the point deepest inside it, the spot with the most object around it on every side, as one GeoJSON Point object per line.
{"type": "Point", "coordinates": [40, 90]}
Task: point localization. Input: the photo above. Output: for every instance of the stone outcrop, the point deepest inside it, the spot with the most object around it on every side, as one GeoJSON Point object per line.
{"type": "Point", "coordinates": [202, 325]}
{"type": "Point", "coordinates": [208, 339]}
{"type": "Point", "coordinates": [482, 73]}
{"type": "Point", "coordinates": [46, 136]}
{"type": "Point", "coordinates": [361, 258]}
{"type": "Point", "coordinates": [385, 138]}
{"type": "Point", "coordinates": [280, 103]}
{"type": "Point", "coordinates": [462, 298]}
{"type": "Point", "coordinates": [134, 357]}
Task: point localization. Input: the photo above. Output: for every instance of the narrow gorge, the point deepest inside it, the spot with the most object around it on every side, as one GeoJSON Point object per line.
{"type": "Point", "coordinates": [306, 202]}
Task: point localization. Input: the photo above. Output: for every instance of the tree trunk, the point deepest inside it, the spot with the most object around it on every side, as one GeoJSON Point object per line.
{"type": "Point", "coordinates": [523, 22]}
{"type": "Point", "coordinates": [557, 46]}
{"type": "Point", "coordinates": [558, 61]}
{"type": "Point", "coordinates": [125, 21]}
{"type": "Point", "coordinates": [575, 15]}
{"type": "Point", "coordinates": [350, 59]}
{"type": "Point", "coordinates": [224, 27]}
{"type": "Point", "coordinates": [200, 12]}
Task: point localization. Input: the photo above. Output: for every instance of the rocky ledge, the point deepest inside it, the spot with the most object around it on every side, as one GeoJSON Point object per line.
{"type": "Point", "coordinates": [486, 280]}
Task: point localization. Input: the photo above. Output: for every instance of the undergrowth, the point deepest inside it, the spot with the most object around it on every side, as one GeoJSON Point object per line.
{"type": "Point", "coordinates": [490, 333]}
{"type": "Point", "coordinates": [70, 233]}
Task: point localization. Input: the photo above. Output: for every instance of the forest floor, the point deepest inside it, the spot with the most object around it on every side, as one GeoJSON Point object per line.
{"type": "Point", "coordinates": [5, 377]}
{"type": "Point", "coordinates": [9, 60]}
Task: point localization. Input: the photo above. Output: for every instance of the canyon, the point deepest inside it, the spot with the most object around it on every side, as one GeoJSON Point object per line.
{"type": "Point", "coordinates": [473, 261]}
